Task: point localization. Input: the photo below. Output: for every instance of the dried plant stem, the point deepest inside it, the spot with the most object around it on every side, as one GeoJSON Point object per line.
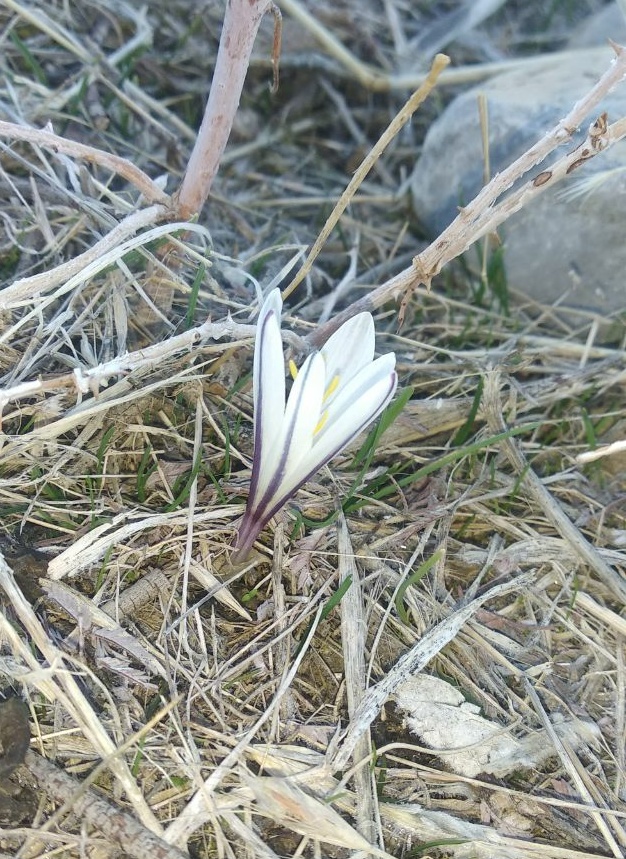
{"type": "Point", "coordinates": [367, 76]}
{"type": "Point", "coordinates": [482, 216]}
{"type": "Point", "coordinates": [484, 213]}
{"type": "Point", "coordinates": [413, 661]}
{"type": "Point", "coordinates": [117, 825]}
{"type": "Point", "coordinates": [379, 80]}
{"type": "Point", "coordinates": [125, 168]}
{"type": "Point", "coordinates": [59, 684]}
{"type": "Point", "coordinates": [399, 121]}
{"type": "Point", "coordinates": [241, 23]}
{"type": "Point", "coordinates": [353, 639]}
{"type": "Point", "coordinates": [29, 287]}
{"type": "Point", "coordinates": [92, 379]}
{"type": "Point", "coordinates": [606, 450]}
{"type": "Point", "coordinates": [542, 497]}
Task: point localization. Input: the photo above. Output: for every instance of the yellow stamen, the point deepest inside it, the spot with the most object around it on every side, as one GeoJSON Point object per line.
{"type": "Point", "coordinates": [321, 422]}
{"type": "Point", "coordinates": [332, 387]}
{"type": "Point", "coordinates": [293, 369]}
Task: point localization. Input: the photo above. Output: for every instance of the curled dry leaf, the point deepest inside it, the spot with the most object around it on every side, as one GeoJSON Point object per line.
{"type": "Point", "coordinates": [468, 743]}
{"type": "Point", "coordinates": [283, 801]}
{"type": "Point", "coordinates": [97, 623]}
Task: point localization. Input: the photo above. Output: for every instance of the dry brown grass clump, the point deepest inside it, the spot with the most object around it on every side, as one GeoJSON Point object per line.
{"type": "Point", "coordinates": [426, 651]}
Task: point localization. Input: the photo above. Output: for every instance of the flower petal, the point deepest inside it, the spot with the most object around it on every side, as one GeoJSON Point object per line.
{"type": "Point", "coordinates": [304, 408]}
{"type": "Point", "coordinates": [269, 392]}
{"type": "Point", "coordinates": [349, 350]}
{"type": "Point", "coordinates": [360, 395]}
{"type": "Point", "coordinates": [352, 411]}
{"type": "Point", "coordinates": [300, 420]}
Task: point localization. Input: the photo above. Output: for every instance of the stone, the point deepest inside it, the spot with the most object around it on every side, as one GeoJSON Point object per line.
{"type": "Point", "coordinates": [565, 246]}
{"type": "Point", "coordinates": [607, 23]}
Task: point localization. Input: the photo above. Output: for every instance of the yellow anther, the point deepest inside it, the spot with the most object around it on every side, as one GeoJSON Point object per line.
{"type": "Point", "coordinates": [331, 387]}
{"type": "Point", "coordinates": [293, 369]}
{"type": "Point", "coordinates": [321, 422]}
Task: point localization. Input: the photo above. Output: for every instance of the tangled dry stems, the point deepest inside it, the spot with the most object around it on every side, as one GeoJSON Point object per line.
{"type": "Point", "coordinates": [225, 708]}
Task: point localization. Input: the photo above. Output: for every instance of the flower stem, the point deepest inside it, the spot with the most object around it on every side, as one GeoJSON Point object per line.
{"type": "Point", "coordinates": [248, 532]}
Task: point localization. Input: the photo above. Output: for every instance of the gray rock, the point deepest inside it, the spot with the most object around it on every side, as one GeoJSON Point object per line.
{"type": "Point", "coordinates": [607, 23]}
{"type": "Point", "coordinates": [560, 247]}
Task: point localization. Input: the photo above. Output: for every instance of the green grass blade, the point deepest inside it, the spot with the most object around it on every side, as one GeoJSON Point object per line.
{"type": "Point", "coordinates": [333, 601]}
{"type": "Point", "coordinates": [183, 494]}
{"type": "Point", "coordinates": [393, 410]}
{"type": "Point", "coordinates": [190, 316]}
{"type": "Point", "coordinates": [465, 431]}
{"type": "Point", "coordinates": [450, 458]}
{"type": "Point", "coordinates": [413, 579]}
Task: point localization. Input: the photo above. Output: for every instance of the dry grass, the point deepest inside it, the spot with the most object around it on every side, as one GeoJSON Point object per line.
{"type": "Point", "coordinates": [250, 712]}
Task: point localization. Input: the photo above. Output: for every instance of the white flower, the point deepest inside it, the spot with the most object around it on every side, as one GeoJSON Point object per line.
{"type": "Point", "coordinates": [337, 392]}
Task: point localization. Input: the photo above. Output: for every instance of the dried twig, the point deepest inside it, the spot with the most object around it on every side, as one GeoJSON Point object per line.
{"type": "Point", "coordinates": [397, 123]}
{"type": "Point", "coordinates": [380, 80]}
{"type": "Point", "coordinates": [55, 143]}
{"type": "Point", "coordinates": [31, 287]}
{"type": "Point", "coordinates": [484, 214]}
{"type": "Point", "coordinates": [118, 826]}
{"type": "Point", "coordinates": [92, 379]}
{"type": "Point", "coordinates": [241, 23]}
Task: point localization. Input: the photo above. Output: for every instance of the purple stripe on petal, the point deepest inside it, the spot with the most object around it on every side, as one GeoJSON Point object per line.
{"type": "Point", "coordinates": [310, 377]}
{"type": "Point", "coordinates": [269, 389]}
